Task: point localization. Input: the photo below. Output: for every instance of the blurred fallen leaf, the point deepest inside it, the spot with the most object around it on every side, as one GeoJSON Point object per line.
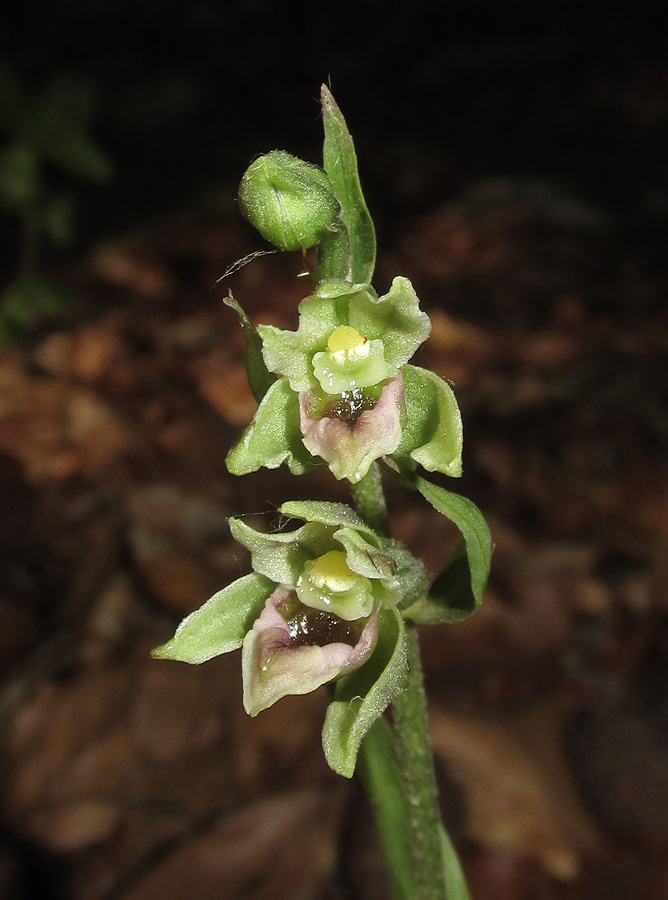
{"type": "Point", "coordinates": [281, 847]}
{"type": "Point", "coordinates": [519, 794]}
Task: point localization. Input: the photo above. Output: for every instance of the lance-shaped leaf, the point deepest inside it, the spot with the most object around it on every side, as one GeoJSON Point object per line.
{"type": "Point", "coordinates": [340, 164]}
{"type": "Point", "coordinates": [361, 697]}
{"type": "Point", "coordinates": [432, 435]}
{"type": "Point", "coordinates": [221, 624]}
{"type": "Point", "coordinates": [458, 591]}
{"type": "Point", "coordinates": [273, 437]}
{"type": "Point", "coordinates": [260, 379]}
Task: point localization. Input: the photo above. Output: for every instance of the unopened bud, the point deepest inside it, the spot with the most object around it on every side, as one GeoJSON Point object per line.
{"type": "Point", "coordinates": [289, 201]}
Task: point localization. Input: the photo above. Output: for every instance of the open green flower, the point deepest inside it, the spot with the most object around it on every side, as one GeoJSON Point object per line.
{"type": "Point", "coordinates": [347, 394]}
{"type": "Point", "coordinates": [320, 606]}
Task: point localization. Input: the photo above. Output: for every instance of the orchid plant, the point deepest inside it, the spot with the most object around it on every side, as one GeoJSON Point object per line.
{"type": "Point", "coordinates": [336, 600]}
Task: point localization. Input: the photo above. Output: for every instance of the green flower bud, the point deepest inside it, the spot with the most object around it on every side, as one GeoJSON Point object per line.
{"type": "Point", "coordinates": [289, 201]}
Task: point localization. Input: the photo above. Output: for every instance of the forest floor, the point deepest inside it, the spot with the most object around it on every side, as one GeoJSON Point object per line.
{"type": "Point", "coordinates": [126, 778]}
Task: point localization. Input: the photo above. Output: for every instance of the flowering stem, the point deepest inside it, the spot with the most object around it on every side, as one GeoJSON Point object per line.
{"type": "Point", "coordinates": [397, 767]}
{"type": "Point", "coordinates": [370, 500]}
{"type": "Point", "coordinates": [381, 776]}
{"type": "Point", "coordinates": [419, 780]}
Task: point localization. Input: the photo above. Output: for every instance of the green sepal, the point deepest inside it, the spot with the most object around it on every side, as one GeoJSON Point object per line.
{"type": "Point", "coordinates": [281, 556]}
{"type": "Point", "coordinates": [356, 261]}
{"type": "Point", "coordinates": [362, 697]}
{"type": "Point", "coordinates": [432, 435]}
{"type": "Point", "coordinates": [457, 592]}
{"type": "Point", "coordinates": [334, 514]}
{"type": "Point", "coordinates": [260, 379]}
{"type": "Point", "coordinates": [221, 624]}
{"type": "Point", "coordinates": [273, 437]}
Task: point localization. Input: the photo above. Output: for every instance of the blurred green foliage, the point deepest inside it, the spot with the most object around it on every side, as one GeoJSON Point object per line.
{"type": "Point", "coordinates": [45, 147]}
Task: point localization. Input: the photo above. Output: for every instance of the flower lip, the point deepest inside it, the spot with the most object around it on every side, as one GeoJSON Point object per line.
{"type": "Point", "coordinates": [329, 585]}
{"type": "Point", "coordinates": [349, 449]}
{"type": "Point", "coordinates": [350, 361]}
{"type": "Point", "coordinates": [274, 664]}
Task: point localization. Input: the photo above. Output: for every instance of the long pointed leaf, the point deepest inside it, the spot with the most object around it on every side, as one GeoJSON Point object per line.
{"type": "Point", "coordinates": [340, 164]}
{"type": "Point", "coordinates": [458, 590]}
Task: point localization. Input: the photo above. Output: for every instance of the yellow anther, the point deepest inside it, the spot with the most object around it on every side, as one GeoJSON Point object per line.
{"type": "Point", "coordinates": [345, 339]}
{"type": "Point", "coordinates": [331, 571]}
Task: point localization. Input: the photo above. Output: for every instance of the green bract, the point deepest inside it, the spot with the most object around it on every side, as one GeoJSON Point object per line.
{"type": "Point", "coordinates": [347, 391]}
{"type": "Point", "coordinates": [289, 201]}
{"type": "Point", "coordinates": [320, 606]}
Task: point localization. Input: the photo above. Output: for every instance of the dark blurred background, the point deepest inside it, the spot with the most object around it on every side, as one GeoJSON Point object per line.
{"type": "Point", "coordinates": [515, 158]}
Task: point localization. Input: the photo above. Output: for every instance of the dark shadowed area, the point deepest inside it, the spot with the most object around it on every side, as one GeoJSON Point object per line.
{"type": "Point", "coordinates": [514, 156]}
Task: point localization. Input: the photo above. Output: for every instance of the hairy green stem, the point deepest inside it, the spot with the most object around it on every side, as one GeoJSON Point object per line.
{"type": "Point", "coordinates": [419, 780]}
{"type": "Point", "coordinates": [381, 776]}
{"type": "Point", "coordinates": [370, 500]}
{"type": "Point", "coordinates": [397, 767]}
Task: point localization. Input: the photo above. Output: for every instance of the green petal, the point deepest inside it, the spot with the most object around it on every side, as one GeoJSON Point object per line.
{"type": "Point", "coordinates": [281, 556]}
{"type": "Point", "coordinates": [365, 556]}
{"type": "Point", "coordinates": [432, 434]}
{"type": "Point", "coordinates": [284, 352]}
{"type": "Point", "coordinates": [458, 590]}
{"type": "Point", "coordinates": [361, 697]}
{"type": "Point", "coordinates": [273, 437]}
{"type": "Point", "coordinates": [395, 318]}
{"type": "Point", "coordinates": [221, 624]}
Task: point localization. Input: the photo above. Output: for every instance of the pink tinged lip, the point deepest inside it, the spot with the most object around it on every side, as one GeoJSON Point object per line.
{"type": "Point", "coordinates": [273, 666]}
{"type": "Point", "coordinates": [348, 449]}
